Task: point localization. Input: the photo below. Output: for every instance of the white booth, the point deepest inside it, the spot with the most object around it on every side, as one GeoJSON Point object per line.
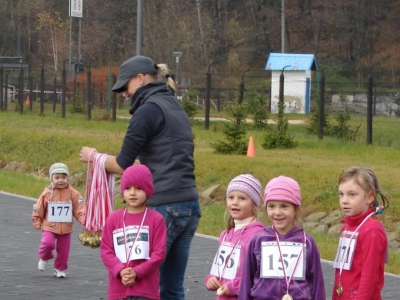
{"type": "Point", "coordinates": [297, 70]}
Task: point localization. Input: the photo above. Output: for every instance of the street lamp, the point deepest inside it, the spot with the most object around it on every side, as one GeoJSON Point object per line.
{"type": "Point", "coordinates": [242, 87]}
{"type": "Point", "coordinates": [177, 55]}
{"type": "Point", "coordinates": [281, 103]}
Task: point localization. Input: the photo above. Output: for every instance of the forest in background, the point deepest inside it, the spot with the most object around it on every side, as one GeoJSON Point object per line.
{"type": "Point", "coordinates": [349, 37]}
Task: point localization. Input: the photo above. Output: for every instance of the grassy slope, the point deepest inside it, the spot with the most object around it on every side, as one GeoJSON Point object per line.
{"type": "Point", "coordinates": [316, 165]}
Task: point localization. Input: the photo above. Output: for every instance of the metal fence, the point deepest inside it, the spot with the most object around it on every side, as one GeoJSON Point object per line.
{"type": "Point", "coordinates": [372, 106]}
{"type": "Point", "coordinates": [22, 89]}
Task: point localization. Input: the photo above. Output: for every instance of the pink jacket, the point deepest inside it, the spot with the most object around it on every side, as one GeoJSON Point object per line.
{"type": "Point", "coordinates": [232, 236]}
{"type": "Point", "coordinates": [50, 194]}
{"type": "Point", "coordinates": [147, 270]}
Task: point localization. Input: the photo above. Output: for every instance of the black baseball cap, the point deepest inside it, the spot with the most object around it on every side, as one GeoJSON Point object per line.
{"type": "Point", "coordinates": [131, 68]}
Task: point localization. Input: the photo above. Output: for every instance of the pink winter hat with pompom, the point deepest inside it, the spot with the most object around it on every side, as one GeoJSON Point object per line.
{"type": "Point", "coordinates": [138, 176]}
{"type": "Point", "coordinates": [283, 188]}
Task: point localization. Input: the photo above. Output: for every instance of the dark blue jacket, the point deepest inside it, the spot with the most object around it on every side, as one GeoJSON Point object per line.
{"type": "Point", "coordinates": [160, 136]}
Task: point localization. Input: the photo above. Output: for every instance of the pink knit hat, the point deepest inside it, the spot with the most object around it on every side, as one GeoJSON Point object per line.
{"type": "Point", "coordinates": [247, 184]}
{"type": "Point", "coordinates": [283, 188]}
{"type": "Point", "coordinates": [138, 176]}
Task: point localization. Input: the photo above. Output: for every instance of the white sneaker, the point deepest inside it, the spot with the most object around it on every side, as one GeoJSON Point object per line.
{"type": "Point", "coordinates": [42, 264]}
{"type": "Point", "coordinates": [59, 274]}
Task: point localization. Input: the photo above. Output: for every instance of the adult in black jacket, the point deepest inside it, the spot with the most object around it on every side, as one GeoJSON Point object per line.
{"type": "Point", "coordinates": [159, 136]}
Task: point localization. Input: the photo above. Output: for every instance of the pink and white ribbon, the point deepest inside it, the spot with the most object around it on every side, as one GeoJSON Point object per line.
{"type": "Point", "coordinates": [100, 198]}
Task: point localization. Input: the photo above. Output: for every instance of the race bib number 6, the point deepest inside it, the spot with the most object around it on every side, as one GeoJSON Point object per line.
{"type": "Point", "coordinates": [131, 244]}
{"type": "Point", "coordinates": [272, 264]}
{"type": "Point", "coordinates": [59, 212]}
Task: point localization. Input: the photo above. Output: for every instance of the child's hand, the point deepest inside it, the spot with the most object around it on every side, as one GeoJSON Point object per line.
{"type": "Point", "coordinates": [37, 226]}
{"type": "Point", "coordinates": [213, 284]}
{"type": "Point", "coordinates": [223, 290]}
{"type": "Point", "coordinates": [82, 221]}
{"type": "Point", "coordinates": [128, 276]}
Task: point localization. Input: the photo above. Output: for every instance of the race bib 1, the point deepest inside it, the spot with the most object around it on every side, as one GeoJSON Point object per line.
{"type": "Point", "coordinates": [136, 248]}
{"type": "Point", "coordinates": [226, 261]}
{"type": "Point", "coordinates": [345, 251]}
{"type": "Point", "coordinates": [59, 212]}
{"type": "Point", "coordinates": [271, 263]}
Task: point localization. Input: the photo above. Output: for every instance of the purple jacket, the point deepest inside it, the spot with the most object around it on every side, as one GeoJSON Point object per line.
{"type": "Point", "coordinates": [254, 287]}
{"type": "Point", "coordinates": [232, 236]}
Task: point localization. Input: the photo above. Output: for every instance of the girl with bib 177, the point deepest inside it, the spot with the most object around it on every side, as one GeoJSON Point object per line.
{"type": "Point", "coordinates": [283, 261]}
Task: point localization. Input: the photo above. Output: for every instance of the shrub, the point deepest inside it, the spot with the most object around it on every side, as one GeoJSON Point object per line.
{"type": "Point", "coordinates": [314, 119]}
{"type": "Point", "coordinates": [279, 138]}
{"type": "Point", "coordinates": [77, 105]}
{"type": "Point", "coordinates": [342, 129]}
{"type": "Point", "coordinates": [257, 106]}
{"type": "Point", "coordinates": [235, 131]}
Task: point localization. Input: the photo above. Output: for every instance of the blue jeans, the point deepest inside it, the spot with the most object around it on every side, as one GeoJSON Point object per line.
{"type": "Point", "coordinates": [181, 219]}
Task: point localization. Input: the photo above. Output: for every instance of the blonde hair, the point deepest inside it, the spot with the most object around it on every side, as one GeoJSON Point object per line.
{"type": "Point", "coordinates": [367, 180]}
{"type": "Point", "coordinates": [163, 69]}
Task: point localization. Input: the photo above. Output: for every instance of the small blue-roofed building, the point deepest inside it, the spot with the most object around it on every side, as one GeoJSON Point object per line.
{"type": "Point", "coordinates": [297, 84]}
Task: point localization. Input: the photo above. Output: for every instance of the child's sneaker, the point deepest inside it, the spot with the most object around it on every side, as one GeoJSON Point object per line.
{"type": "Point", "coordinates": [59, 274]}
{"type": "Point", "coordinates": [42, 264]}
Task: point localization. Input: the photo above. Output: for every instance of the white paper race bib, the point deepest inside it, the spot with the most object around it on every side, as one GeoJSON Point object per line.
{"type": "Point", "coordinates": [271, 263]}
{"type": "Point", "coordinates": [226, 261]}
{"type": "Point", "coordinates": [59, 212]}
{"type": "Point", "coordinates": [140, 244]}
{"type": "Point", "coordinates": [345, 251]}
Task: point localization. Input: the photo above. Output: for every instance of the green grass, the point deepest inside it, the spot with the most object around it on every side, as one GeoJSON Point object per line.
{"type": "Point", "coordinates": [11, 183]}
{"type": "Point", "coordinates": [316, 165]}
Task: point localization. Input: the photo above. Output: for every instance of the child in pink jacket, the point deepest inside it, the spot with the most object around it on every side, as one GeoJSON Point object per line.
{"type": "Point", "coordinates": [242, 200]}
{"type": "Point", "coordinates": [133, 241]}
{"type": "Point", "coordinates": [53, 214]}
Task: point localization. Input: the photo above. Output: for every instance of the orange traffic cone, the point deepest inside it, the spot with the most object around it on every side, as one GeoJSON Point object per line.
{"type": "Point", "coordinates": [251, 152]}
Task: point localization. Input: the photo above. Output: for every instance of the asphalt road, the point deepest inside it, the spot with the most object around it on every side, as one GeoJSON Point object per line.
{"type": "Point", "coordinates": [86, 276]}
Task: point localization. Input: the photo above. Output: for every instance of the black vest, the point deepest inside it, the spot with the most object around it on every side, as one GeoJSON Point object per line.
{"type": "Point", "coordinates": [169, 155]}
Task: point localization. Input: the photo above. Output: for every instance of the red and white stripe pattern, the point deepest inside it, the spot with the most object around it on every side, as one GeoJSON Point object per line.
{"type": "Point", "coordinates": [100, 198]}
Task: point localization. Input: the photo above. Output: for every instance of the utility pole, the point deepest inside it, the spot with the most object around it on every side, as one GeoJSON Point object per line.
{"type": "Point", "coordinates": [69, 44]}
{"type": "Point", "coordinates": [80, 42]}
{"type": "Point", "coordinates": [139, 28]}
{"type": "Point", "coordinates": [208, 97]}
{"type": "Point", "coordinates": [283, 26]}
{"type": "Point", "coordinates": [75, 10]}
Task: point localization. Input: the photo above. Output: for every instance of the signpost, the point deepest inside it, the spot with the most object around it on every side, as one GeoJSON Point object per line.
{"type": "Point", "coordinates": [75, 8]}
{"type": "Point", "coordinates": [76, 11]}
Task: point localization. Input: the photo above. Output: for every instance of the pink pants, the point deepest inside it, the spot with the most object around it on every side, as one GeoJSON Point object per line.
{"type": "Point", "coordinates": [48, 244]}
